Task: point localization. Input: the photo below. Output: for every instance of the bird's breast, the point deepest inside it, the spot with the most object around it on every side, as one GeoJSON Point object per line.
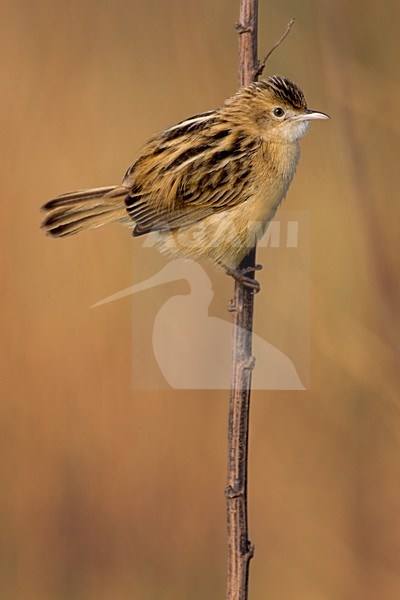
{"type": "Point", "coordinates": [226, 236]}
{"type": "Point", "coordinates": [274, 170]}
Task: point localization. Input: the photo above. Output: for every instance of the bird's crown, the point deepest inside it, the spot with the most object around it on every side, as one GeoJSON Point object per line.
{"type": "Point", "coordinates": [284, 90]}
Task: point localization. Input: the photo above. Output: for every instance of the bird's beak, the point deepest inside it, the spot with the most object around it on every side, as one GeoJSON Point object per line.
{"type": "Point", "coordinates": [309, 115]}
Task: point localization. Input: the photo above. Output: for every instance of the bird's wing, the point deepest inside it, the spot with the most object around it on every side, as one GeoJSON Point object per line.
{"type": "Point", "coordinates": [189, 172]}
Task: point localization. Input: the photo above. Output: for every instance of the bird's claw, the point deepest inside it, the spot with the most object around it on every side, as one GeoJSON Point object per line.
{"type": "Point", "coordinates": [239, 275]}
{"type": "Point", "coordinates": [250, 283]}
{"type": "Point", "coordinates": [257, 267]}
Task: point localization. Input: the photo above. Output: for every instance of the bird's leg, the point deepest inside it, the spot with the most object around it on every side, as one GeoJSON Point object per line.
{"type": "Point", "coordinates": [240, 275]}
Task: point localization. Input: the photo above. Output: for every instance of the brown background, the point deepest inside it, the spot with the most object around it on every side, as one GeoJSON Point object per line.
{"type": "Point", "coordinates": [108, 492]}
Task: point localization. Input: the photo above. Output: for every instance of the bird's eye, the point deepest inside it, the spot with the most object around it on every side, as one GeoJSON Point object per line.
{"type": "Point", "coordinates": [278, 111]}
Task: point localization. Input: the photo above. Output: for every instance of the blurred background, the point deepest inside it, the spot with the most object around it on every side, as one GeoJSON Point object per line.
{"type": "Point", "coordinates": [110, 492]}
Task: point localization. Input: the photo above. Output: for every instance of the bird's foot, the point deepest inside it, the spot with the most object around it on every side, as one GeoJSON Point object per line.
{"type": "Point", "coordinates": [240, 275]}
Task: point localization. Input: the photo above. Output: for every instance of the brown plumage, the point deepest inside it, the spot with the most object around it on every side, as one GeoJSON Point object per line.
{"type": "Point", "coordinates": [209, 185]}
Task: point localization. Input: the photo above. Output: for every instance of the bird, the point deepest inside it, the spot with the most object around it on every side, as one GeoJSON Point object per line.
{"type": "Point", "coordinates": [208, 186]}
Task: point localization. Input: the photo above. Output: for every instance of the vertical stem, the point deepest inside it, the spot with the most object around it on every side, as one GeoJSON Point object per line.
{"type": "Point", "coordinates": [248, 37]}
{"type": "Point", "coordinates": [240, 549]}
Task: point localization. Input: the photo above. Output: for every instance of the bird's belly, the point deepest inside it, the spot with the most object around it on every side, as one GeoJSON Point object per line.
{"type": "Point", "coordinates": [225, 237]}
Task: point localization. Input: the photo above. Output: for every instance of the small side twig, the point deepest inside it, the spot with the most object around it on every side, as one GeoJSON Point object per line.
{"type": "Point", "coordinates": [243, 28]}
{"type": "Point", "coordinates": [261, 64]}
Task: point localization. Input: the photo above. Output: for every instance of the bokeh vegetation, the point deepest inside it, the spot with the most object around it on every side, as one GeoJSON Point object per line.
{"type": "Point", "coordinates": [109, 492]}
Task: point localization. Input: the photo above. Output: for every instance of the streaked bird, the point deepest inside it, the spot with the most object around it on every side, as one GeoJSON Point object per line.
{"type": "Point", "coordinates": [210, 185]}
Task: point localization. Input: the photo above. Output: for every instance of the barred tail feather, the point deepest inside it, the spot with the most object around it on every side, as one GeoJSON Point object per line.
{"type": "Point", "coordinates": [84, 209]}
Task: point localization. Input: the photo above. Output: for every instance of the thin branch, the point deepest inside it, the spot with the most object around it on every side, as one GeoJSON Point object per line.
{"type": "Point", "coordinates": [261, 65]}
{"type": "Point", "coordinates": [240, 549]}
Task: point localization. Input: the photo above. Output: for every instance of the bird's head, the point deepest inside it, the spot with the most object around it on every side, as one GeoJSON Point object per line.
{"type": "Point", "coordinates": [274, 109]}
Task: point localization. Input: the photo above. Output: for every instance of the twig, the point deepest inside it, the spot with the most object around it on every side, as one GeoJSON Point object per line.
{"type": "Point", "coordinates": [240, 549]}
{"type": "Point", "coordinates": [261, 64]}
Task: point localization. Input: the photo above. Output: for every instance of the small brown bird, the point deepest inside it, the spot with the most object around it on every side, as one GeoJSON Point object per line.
{"type": "Point", "coordinates": [210, 185]}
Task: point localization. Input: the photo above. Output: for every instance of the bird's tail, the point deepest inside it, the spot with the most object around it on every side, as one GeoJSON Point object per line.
{"type": "Point", "coordinates": [84, 209]}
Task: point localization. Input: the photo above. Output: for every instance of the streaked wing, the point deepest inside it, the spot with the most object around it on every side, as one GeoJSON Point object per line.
{"type": "Point", "coordinates": [189, 172]}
